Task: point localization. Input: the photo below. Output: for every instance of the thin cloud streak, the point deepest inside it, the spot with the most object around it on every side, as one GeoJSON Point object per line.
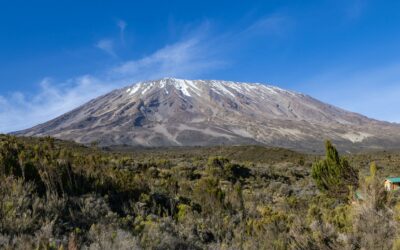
{"type": "Point", "coordinates": [122, 26]}
{"type": "Point", "coordinates": [106, 45]}
{"type": "Point", "coordinates": [19, 111]}
{"type": "Point", "coordinates": [185, 59]}
{"type": "Point", "coordinates": [276, 24]}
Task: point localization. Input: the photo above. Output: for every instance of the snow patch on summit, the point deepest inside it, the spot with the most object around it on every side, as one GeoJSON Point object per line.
{"type": "Point", "coordinates": [182, 86]}
{"type": "Point", "coordinates": [220, 88]}
{"type": "Point", "coordinates": [133, 90]}
{"type": "Point", "coordinates": [186, 86]}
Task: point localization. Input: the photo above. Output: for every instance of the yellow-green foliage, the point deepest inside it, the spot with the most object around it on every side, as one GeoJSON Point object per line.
{"type": "Point", "coordinates": [340, 217]}
{"type": "Point", "coordinates": [183, 211]}
{"type": "Point", "coordinates": [208, 193]}
{"type": "Point", "coordinates": [56, 194]}
{"type": "Point", "coordinates": [334, 175]}
{"type": "Point", "coordinates": [19, 208]}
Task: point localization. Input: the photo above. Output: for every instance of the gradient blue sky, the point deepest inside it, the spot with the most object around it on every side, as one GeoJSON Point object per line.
{"type": "Point", "coordinates": [56, 55]}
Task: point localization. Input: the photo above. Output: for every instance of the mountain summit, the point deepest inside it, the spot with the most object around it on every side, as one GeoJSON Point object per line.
{"type": "Point", "coordinates": [177, 112]}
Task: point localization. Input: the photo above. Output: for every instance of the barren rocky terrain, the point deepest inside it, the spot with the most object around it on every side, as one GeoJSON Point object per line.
{"type": "Point", "coordinates": [176, 112]}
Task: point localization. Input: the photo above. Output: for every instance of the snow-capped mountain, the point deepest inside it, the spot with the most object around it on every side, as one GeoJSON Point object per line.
{"type": "Point", "coordinates": [176, 112]}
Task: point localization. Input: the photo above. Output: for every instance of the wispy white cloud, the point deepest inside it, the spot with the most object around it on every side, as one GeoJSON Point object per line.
{"type": "Point", "coordinates": [122, 26]}
{"type": "Point", "coordinates": [19, 111]}
{"type": "Point", "coordinates": [275, 24]}
{"type": "Point", "coordinates": [188, 58]}
{"type": "Point", "coordinates": [106, 45]}
{"type": "Point", "coordinates": [110, 46]}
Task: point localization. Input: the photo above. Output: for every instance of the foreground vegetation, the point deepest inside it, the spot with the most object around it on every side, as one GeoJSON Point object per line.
{"type": "Point", "coordinates": [59, 195]}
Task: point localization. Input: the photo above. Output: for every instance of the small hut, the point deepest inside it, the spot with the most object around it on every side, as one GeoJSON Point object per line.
{"type": "Point", "coordinates": [392, 183]}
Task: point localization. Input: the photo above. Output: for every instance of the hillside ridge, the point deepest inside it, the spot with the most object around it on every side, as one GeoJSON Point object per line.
{"type": "Point", "coordinates": [179, 112]}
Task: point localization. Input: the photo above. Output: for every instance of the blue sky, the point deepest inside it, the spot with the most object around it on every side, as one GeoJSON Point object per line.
{"type": "Point", "coordinates": [56, 55]}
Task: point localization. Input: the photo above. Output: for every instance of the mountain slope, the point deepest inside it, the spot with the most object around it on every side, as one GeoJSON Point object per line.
{"type": "Point", "coordinates": [175, 112]}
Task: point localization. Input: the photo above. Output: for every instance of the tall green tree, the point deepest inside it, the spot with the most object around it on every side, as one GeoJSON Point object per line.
{"type": "Point", "coordinates": [334, 175]}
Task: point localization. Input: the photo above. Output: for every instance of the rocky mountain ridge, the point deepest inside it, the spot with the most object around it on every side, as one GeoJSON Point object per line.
{"type": "Point", "coordinates": [177, 112]}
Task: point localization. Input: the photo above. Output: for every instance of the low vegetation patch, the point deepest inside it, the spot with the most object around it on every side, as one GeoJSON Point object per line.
{"type": "Point", "coordinates": [60, 195]}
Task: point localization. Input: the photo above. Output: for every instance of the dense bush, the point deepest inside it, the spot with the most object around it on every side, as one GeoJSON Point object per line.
{"type": "Point", "coordinates": [334, 175]}
{"type": "Point", "coordinates": [59, 195]}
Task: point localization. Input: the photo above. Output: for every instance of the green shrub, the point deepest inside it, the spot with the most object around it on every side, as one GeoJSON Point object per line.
{"type": "Point", "coordinates": [19, 207]}
{"type": "Point", "coordinates": [334, 175]}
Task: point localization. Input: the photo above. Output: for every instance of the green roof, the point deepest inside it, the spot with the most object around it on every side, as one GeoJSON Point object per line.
{"type": "Point", "coordinates": [394, 179]}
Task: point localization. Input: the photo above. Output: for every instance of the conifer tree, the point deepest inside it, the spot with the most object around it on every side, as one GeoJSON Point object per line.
{"type": "Point", "coordinates": [334, 175]}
